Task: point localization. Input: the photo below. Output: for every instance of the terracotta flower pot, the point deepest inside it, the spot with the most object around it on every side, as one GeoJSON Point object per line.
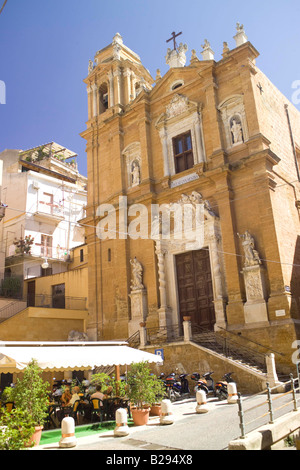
{"type": "Point", "coordinates": [36, 437]}
{"type": "Point", "coordinates": [140, 416]}
{"type": "Point", "coordinates": [187, 318]}
{"type": "Point", "coordinates": [155, 410]}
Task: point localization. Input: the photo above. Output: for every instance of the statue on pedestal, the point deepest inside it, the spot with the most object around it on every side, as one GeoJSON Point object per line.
{"type": "Point", "coordinates": [251, 255]}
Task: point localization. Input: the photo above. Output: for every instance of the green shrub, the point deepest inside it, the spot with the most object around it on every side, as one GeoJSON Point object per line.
{"type": "Point", "coordinates": [16, 429]}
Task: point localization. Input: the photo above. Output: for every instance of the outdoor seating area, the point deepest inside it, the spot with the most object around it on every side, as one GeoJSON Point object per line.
{"type": "Point", "coordinates": [85, 411]}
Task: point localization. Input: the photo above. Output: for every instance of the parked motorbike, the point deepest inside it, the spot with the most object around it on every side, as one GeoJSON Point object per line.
{"type": "Point", "coordinates": [221, 386]}
{"type": "Point", "coordinates": [204, 382]}
{"type": "Point", "coordinates": [177, 389]}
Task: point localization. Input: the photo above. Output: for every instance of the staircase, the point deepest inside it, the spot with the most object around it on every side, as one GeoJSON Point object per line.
{"type": "Point", "coordinates": [11, 308]}
{"type": "Point", "coordinates": [230, 348]}
{"type": "Point", "coordinates": [222, 342]}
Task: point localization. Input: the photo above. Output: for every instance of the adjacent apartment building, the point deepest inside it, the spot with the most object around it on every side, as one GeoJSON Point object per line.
{"type": "Point", "coordinates": [45, 197]}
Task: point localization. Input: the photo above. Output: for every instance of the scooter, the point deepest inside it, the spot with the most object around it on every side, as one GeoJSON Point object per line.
{"type": "Point", "coordinates": [205, 383]}
{"type": "Point", "coordinates": [221, 386]}
{"type": "Point", "coordinates": [177, 390]}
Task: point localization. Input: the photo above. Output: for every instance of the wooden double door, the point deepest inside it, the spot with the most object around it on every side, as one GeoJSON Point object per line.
{"type": "Point", "coordinates": [195, 288]}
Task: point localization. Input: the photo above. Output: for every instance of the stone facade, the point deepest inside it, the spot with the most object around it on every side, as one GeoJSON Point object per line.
{"type": "Point", "coordinates": [243, 176]}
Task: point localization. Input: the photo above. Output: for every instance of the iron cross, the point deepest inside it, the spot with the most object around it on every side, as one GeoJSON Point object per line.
{"type": "Point", "coordinates": [173, 37]}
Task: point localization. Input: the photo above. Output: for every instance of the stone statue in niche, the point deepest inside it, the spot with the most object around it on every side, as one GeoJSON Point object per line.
{"type": "Point", "coordinates": [251, 255]}
{"type": "Point", "coordinates": [135, 174]}
{"type": "Point", "coordinates": [236, 130]}
{"type": "Point", "coordinates": [137, 275]}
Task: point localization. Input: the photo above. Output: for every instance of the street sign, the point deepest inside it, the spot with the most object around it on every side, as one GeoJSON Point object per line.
{"type": "Point", "coordinates": [159, 352]}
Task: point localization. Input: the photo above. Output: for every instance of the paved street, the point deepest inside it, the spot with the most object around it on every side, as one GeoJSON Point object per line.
{"type": "Point", "coordinates": [190, 431]}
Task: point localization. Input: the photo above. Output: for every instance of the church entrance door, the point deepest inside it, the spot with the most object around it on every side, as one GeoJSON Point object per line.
{"type": "Point", "coordinates": [195, 288]}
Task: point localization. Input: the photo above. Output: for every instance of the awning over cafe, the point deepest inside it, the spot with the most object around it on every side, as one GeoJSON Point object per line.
{"type": "Point", "coordinates": [58, 356]}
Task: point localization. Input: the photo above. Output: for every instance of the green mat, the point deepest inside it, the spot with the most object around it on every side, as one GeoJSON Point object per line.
{"type": "Point", "coordinates": [54, 435]}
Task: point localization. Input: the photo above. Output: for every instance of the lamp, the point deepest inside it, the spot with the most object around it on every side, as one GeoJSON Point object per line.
{"type": "Point", "coordinates": [45, 264]}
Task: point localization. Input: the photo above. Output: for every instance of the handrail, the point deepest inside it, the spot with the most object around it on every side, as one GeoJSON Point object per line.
{"type": "Point", "coordinates": [269, 402]}
{"type": "Point", "coordinates": [251, 341]}
{"type": "Point", "coordinates": [227, 347]}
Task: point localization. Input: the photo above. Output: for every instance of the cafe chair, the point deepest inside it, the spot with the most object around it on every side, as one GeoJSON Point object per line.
{"type": "Point", "coordinates": [97, 409]}
{"type": "Point", "coordinates": [109, 408]}
{"type": "Point", "coordinates": [73, 412]}
{"type": "Point", "coordinates": [9, 406]}
{"type": "Point", "coordinates": [51, 418]}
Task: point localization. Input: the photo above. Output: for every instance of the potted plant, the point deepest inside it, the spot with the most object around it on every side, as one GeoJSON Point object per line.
{"type": "Point", "coordinates": [16, 430]}
{"type": "Point", "coordinates": [142, 391]}
{"type": "Point", "coordinates": [159, 390]}
{"type": "Point", "coordinates": [30, 395]}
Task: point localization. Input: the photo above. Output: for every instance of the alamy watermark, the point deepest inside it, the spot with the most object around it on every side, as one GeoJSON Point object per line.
{"type": "Point", "coordinates": [296, 94]}
{"type": "Point", "coordinates": [2, 92]}
{"type": "Point", "coordinates": [176, 221]}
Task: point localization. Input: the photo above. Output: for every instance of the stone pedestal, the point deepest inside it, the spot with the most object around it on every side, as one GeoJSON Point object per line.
{"type": "Point", "coordinates": [139, 309]}
{"type": "Point", "coordinates": [255, 309]}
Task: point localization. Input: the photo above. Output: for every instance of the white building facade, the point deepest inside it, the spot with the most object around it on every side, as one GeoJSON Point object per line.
{"type": "Point", "coordinates": [45, 197]}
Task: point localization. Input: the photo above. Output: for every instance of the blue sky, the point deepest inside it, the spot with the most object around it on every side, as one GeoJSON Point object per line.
{"type": "Point", "coordinates": [45, 46]}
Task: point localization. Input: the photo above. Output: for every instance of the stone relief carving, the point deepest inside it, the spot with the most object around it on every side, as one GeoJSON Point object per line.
{"type": "Point", "coordinates": [251, 255]}
{"type": "Point", "coordinates": [137, 275]}
{"type": "Point", "coordinates": [253, 286]}
{"type": "Point", "coordinates": [178, 105]}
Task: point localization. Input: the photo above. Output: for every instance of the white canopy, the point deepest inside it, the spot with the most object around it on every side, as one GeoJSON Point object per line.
{"type": "Point", "coordinates": [14, 357]}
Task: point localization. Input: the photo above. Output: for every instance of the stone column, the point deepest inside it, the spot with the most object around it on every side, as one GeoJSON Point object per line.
{"type": "Point", "coordinates": [117, 86]}
{"type": "Point", "coordinates": [90, 112]}
{"type": "Point", "coordinates": [219, 302]}
{"type": "Point", "coordinates": [164, 312]}
{"type": "Point", "coordinates": [164, 141]}
{"type": "Point", "coordinates": [127, 88]}
{"type": "Point", "coordinates": [198, 135]}
{"type": "Point", "coordinates": [111, 89]}
{"type": "Point", "coordinates": [95, 95]}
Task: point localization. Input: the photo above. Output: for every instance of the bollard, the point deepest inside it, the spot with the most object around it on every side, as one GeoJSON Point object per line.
{"type": "Point", "coordinates": [121, 428]}
{"type": "Point", "coordinates": [166, 412]}
{"type": "Point", "coordinates": [68, 438]}
{"type": "Point", "coordinates": [201, 402]}
{"type": "Point", "coordinates": [232, 393]}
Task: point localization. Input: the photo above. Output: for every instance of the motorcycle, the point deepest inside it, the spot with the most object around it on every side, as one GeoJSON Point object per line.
{"type": "Point", "coordinates": [221, 386]}
{"type": "Point", "coordinates": [176, 389]}
{"type": "Point", "coordinates": [205, 383]}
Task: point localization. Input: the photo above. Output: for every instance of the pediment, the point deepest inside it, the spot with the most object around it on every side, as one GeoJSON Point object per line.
{"type": "Point", "coordinates": [179, 106]}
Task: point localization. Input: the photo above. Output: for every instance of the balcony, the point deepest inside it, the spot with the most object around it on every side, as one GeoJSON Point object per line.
{"type": "Point", "coordinates": [39, 251]}
{"type": "Point", "coordinates": [49, 212]}
{"type": "Point", "coordinates": [56, 301]}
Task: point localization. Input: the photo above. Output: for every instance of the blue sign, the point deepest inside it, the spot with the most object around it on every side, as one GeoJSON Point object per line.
{"type": "Point", "coordinates": [159, 352]}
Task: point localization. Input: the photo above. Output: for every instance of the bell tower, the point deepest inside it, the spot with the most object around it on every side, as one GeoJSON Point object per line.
{"type": "Point", "coordinates": [115, 78]}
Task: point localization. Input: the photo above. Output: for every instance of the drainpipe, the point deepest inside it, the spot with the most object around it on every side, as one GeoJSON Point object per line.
{"type": "Point", "coordinates": [292, 141]}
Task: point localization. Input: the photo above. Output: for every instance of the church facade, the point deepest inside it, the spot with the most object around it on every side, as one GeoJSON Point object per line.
{"type": "Point", "coordinates": [193, 196]}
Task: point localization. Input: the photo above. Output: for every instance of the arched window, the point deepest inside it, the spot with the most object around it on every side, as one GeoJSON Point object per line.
{"type": "Point", "coordinates": [103, 98]}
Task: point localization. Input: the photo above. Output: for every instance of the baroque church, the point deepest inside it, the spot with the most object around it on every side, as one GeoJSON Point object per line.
{"type": "Point", "coordinates": [216, 136]}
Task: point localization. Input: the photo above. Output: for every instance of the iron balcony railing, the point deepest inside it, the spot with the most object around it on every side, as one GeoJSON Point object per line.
{"type": "Point", "coordinates": [59, 301]}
